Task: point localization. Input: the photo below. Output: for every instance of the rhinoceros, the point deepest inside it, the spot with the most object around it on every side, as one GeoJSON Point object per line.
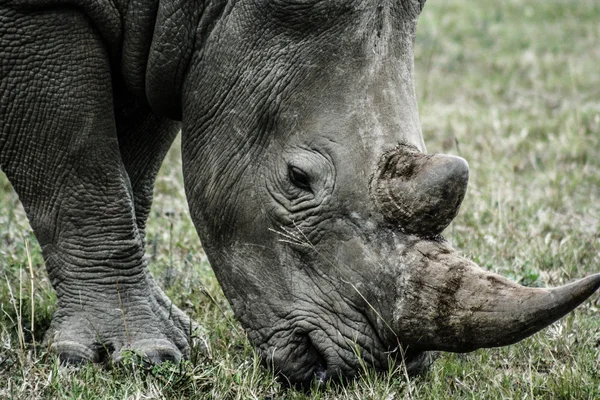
{"type": "Point", "coordinates": [305, 172]}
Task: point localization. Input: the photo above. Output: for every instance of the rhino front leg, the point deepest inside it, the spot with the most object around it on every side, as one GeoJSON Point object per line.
{"type": "Point", "coordinates": [144, 140]}
{"type": "Point", "coordinates": [60, 150]}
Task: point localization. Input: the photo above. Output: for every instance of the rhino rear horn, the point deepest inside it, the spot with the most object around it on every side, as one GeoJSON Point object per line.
{"type": "Point", "coordinates": [419, 193]}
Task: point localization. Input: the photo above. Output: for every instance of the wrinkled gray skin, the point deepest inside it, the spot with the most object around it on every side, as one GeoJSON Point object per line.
{"type": "Point", "coordinates": [304, 167]}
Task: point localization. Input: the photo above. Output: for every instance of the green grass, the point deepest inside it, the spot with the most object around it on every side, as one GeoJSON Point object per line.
{"type": "Point", "coordinates": [514, 87]}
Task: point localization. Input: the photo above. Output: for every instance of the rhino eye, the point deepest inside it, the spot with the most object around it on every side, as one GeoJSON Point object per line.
{"type": "Point", "coordinates": [299, 178]}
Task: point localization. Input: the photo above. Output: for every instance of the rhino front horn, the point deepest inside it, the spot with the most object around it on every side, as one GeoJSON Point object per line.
{"type": "Point", "coordinates": [420, 193]}
{"type": "Point", "coordinates": [451, 304]}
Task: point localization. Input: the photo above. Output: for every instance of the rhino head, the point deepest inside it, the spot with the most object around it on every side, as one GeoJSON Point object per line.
{"type": "Point", "coordinates": [317, 205]}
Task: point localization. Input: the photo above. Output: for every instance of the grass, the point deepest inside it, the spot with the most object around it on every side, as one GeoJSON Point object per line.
{"type": "Point", "coordinates": [512, 86]}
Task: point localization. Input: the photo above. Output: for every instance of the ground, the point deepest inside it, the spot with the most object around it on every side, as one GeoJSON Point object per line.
{"type": "Point", "coordinates": [513, 87]}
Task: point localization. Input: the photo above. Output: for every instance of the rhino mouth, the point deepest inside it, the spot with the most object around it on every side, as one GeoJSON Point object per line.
{"type": "Point", "coordinates": [301, 363]}
{"type": "Point", "coordinates": [408, 360]}
{"type": "Point", "coordinates": [314, 350]}
{"type": "Point", "coordinates": [318, 356]}
{"type": "Point", "coordinates": [319, 372]}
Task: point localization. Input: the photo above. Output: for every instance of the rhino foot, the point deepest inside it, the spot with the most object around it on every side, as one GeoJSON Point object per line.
{"type": "Point", "coordinates": [101, 329]}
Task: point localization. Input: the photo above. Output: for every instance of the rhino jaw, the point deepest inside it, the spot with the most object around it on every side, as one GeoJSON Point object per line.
{"type": "Point", "coordinates": [448, 303]}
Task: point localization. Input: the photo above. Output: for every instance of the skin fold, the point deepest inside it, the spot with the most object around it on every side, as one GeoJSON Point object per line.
{"type": "Point", "coordinates": [305, 171]}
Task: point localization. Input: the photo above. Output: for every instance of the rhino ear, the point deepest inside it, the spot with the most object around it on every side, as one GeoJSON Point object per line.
{"type": "Point", "coordinates": [170, 54]}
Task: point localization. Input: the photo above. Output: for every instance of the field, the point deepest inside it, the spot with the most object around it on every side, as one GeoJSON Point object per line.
{"type": "Point", "coordinates": [512, 86]}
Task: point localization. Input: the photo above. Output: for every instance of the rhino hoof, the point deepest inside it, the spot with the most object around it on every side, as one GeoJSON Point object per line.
{"type": "Point", "coordinates": [150, 352]}
{"type": "Point", "coordinates": [73, 353]}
